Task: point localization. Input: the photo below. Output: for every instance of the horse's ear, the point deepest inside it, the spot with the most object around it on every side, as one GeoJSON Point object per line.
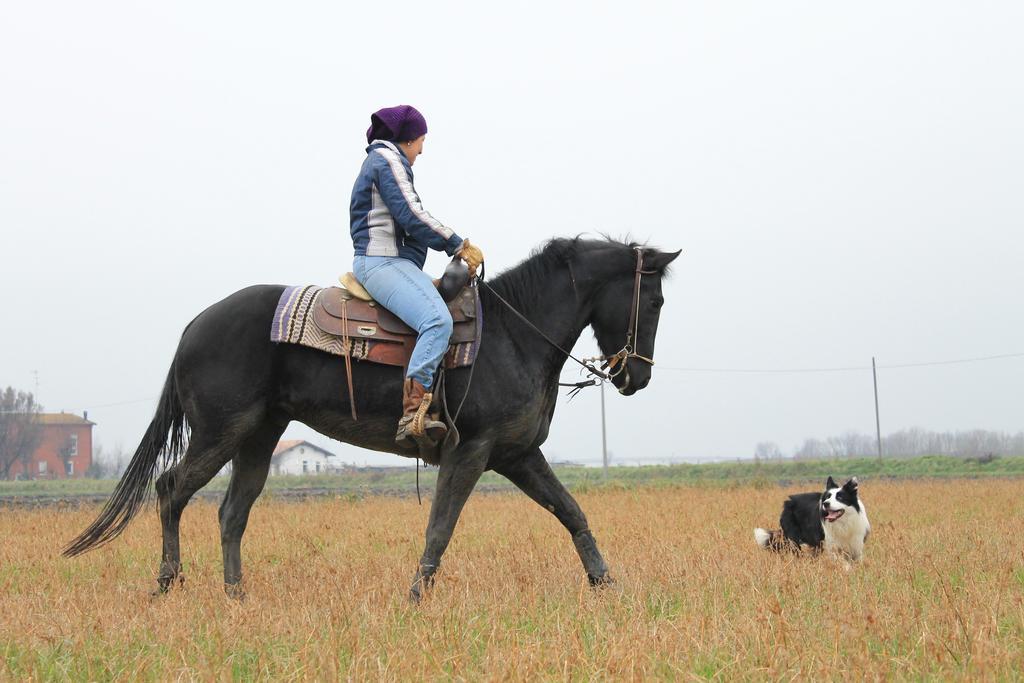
{"type": "Point", "coordinates": [659, 260]}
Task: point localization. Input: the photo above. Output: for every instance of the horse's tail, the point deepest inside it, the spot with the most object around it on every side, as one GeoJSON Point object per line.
{"type": "Point", "coordinates": [166, 435]}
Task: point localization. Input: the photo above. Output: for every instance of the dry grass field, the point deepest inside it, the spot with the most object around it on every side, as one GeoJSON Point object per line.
{"type": "Point", "coordinates": [940, 595]}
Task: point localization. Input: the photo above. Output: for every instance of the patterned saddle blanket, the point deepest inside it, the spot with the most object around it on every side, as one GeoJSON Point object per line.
{"type": "Point", "coordinates": [324, 318]}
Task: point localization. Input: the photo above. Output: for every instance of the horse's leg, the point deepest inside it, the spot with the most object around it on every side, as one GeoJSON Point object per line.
{"type": "Point", "coordinates": [202, 460]}
{"type": "Point", "coordinates": [249, 471]}
{"type": "Point", "coordinates": [459, 471]}
{"type": "Point", "coordinates": [534, 477]}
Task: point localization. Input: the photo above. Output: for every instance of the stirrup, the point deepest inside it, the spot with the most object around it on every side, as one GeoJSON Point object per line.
{"type": "Point", "coordinates": [432, 435]}
{"type": "Point", "coordinates": [420, 428]}
{"type": "Point", "coordinates": [404, 436]}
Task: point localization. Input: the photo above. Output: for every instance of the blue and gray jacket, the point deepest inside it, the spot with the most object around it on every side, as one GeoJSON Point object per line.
{"type": "Point", "coordinates": [387, 217]}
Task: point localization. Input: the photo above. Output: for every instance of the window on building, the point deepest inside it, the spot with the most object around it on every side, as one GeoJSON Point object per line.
{"type": "Point", "coordinates": [318, 468]}
{"type": "Point", "coordinates": [69, 468]}
{"type": "Point", "coordinates": [42, 467]}
{"type": "Point", "coordinates": [305, 466]}
{"type": "Point", "coordinates": [73, 445]}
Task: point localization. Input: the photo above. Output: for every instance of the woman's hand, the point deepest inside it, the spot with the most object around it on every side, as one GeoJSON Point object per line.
{"type": "Point", "coordinates": [471, 254]}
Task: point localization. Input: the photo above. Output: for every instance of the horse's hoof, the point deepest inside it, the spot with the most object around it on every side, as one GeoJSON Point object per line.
{"type": "Point", "coordinates": [603, 581]}
{"type": "Point", "coordinates": [420, 586]}
{"type": "Point", "coordinates": [234, 591]}
{"type": "Point", "coordinates": [418, 590]}
{"type": "Point", "coordinates": [164, 583]}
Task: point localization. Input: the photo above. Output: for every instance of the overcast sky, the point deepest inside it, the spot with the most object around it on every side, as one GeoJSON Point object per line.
{"type": "Point", "coordinates": [845, 181]}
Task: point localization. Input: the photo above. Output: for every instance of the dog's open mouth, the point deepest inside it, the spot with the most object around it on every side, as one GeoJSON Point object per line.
{"type": "Point", "coordinates": [831, 515]}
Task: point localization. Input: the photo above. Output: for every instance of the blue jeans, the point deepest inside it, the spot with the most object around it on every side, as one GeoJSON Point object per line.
{"type": "Point", "coordinates": [405, 290]}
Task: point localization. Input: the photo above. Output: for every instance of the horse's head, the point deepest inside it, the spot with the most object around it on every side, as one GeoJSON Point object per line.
{"type": "Point", "coordinates": [625, 316]}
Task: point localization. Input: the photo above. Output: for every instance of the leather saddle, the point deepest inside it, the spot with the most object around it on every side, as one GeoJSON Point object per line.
{"type": "Point", "coordinates": [349, 311]}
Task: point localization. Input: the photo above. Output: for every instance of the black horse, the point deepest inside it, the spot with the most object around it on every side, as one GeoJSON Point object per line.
{"type": "Point", "coordinates": [232, 392]}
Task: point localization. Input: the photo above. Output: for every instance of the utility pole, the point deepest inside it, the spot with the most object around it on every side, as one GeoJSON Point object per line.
{"type": "Point", "coordinates": [604, 436]}
{"type": "Point", "coordinates": [878, 424]}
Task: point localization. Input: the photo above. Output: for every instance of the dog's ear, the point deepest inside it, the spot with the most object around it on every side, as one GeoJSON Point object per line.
{"type": "Point", "coordinates": [851, 484]}
{"type": "Point", "coordinates": [831, 484]}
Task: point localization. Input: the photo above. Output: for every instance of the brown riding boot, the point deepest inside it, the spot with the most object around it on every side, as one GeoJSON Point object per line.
{"type": "Point", "coordinates": [416, 425]}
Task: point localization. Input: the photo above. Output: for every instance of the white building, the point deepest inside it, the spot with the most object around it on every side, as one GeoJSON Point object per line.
{"type": "Point", "coordinates": [302, 457]}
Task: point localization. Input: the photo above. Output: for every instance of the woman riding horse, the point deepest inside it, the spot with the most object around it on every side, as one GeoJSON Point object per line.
{"type": "Point", "coordinates": [231, 391]}
{"type": "Point", "coordinates": [390, 234]}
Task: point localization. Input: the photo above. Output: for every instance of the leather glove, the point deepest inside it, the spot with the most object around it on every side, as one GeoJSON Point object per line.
{"type": "Point", "coordinates": [471, 254]}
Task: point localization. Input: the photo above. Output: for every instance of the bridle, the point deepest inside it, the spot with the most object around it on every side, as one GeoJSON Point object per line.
{"type": "Point", "coordinates": [611, 365]}
{"type": "Point", "coordinates": [633, 326]}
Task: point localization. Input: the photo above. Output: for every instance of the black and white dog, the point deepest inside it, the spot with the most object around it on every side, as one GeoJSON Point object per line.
{"type": "Point", "coordinates": [835, 521]}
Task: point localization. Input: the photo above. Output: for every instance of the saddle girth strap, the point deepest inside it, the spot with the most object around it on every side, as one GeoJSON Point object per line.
{"type": "Point", "coordinates": [346, 342]}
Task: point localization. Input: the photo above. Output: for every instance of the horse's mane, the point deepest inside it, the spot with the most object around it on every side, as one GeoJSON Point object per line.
{"type": "Point", "coordinates": [520, 283]}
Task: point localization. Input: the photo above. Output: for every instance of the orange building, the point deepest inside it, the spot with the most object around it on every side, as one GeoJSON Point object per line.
{"type": "Point", "coordinates": [64, 451]}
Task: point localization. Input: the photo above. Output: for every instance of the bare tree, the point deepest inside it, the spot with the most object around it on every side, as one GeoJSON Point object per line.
{"type": "Point", "coordinates": [908, 443]}
{"type": "Point", "coordinates": [854, 445]}
{"type": "Point", "coordinates": [767, 450]}
{"type": "Point", "coordinates": [835, 446]}
{"type": "Point", "coordinates": [812, 449]}
{"type": "Point", "coordinates": [19, 429]}
{"type": "Point", "coordinates": [107, 465]}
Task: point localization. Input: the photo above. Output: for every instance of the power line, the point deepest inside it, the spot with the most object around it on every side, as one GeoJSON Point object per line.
{"type": "Point", "coordinates": [856, 368]}
{"type": "Point", "coordinates": [952, 362]}
{"type": "Point", "coordinates": [121, 403]}
{"type": "Point", "coordinates": [93, 407]}
{"type": "Point", "coordinates": [851, 368]}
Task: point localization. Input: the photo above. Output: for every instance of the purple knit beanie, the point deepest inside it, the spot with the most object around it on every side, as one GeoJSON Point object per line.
{"type": "Point", "coordinates": [396, 124]}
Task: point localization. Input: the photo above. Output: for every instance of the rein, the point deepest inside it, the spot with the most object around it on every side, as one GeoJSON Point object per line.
{"type": "Point", "coordinates": [609, 363]}
{"type": "Point", "coordinates": [585, 364]}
